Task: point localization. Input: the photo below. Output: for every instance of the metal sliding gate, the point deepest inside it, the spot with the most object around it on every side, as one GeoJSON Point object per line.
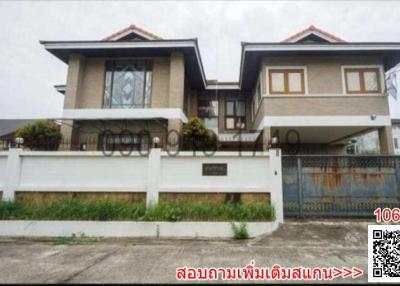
{"type": "Point", "coordinates": [339, 186]}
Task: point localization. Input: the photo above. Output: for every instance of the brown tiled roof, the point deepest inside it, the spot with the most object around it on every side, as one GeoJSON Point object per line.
{"type": "Point", "coordinates": [132, 28]}
{"type": "Point", "coordinates": [313, 29]}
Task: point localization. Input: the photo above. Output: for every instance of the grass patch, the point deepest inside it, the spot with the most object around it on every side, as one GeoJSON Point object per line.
{"type": "Point", "coordinates": [106, 210]}
{"type": "Point", "coordinates": [74, 240]}
{"type": "Point", "coordinates": [240, 232]}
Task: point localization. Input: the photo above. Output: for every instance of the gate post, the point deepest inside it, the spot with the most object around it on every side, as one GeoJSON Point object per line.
{"type": "Point", "coordinates": [397, 170]}
{"type": "Point", "coordinates": [13, 171]}
{"type": "Point", "coordinates": [300, 186]}
{"type": "Point", "coordinates": [275, 171]}
{"type": "Point", "coordinates": [153, 176]}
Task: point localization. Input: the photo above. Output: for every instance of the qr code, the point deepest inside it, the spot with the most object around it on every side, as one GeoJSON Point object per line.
{"type": "Point", "coordinates": [384, 253]}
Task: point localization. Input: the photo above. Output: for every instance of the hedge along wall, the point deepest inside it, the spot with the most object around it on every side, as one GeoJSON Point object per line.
{"type": "Point", "coordinates": [38, 198]}
{"type": "Point", "coordinates": [215, 198]}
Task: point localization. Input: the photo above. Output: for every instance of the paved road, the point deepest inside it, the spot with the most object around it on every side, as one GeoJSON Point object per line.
{"type": "Point", "coordinates": [323, 243]}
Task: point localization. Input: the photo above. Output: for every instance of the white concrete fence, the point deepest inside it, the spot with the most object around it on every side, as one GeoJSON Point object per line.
{"type": "Point", "coordinates": [40, 171]}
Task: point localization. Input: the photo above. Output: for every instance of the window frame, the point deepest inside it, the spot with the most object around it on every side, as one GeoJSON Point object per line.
{"type": "Point", "coordinates": [210, 99]}
{"type": "Point", "coordinates": [361, 70]}
{"type": "Point", "coordinates": [286, 71]}
{"type": "Point", "coordinates": [235, 116]}
{"type": "Point", "coordinates": [111, 62]}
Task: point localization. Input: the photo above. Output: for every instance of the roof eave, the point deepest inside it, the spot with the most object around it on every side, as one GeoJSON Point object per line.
{"type": "Point", "coordinates": [53, 46]}
{"type": "Point", "coordinates": [320, 47]}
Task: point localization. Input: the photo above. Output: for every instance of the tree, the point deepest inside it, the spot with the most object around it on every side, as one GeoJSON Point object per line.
{"type": "Point", "coordinates": [197, 137]}
{"type": "Point", "coordinates": [40, 135]}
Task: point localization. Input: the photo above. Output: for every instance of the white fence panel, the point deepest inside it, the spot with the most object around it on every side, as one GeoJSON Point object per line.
{"type": "Point", "coordinates": [84, 170]}
{"type": "Point", "coordinates": [243, 173]}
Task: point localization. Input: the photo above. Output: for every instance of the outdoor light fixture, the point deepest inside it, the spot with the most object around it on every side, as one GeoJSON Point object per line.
{"type": "Point", "coordinates": [19, 141]}
{"type": "Point", "coordinates": [274, 140]}
{"type": "Point", "coordinates": [373, 116]}
{"type": "Point", "coordinates": [156, 142]}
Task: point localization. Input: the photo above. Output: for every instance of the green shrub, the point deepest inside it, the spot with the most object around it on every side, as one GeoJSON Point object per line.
{"type": "Point", "coordinates": [40, 135]}
{"type": "Point", "coordinates": [11, 210]}
{"type": "Point", "coordinates": [240, 232]}
{"type": "Point", "coordinates": [105, 210]}
{"type": "Point", "coordinates": [197, 137]}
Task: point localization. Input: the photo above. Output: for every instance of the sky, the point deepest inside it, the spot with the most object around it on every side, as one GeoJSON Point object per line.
{"type": "Point", "coordinates": [28, 72]}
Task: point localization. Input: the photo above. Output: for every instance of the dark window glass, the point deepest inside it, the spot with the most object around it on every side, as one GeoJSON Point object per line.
{"type": "Point", "coordinates": [235, 114]}
{"type": "Point", "coordinates": [127, 84]}
{"type": "Point", "coordinates": [207, 110]}
{"type": "Point", "coordinates": [230, 108]}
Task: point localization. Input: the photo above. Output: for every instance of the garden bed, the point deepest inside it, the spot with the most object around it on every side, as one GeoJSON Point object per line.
{"type": "Point", "coordinates": [106, 210]}
{"type": "Point", "coordinates": [111, 219]}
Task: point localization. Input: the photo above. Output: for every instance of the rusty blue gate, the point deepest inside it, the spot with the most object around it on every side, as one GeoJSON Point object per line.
{"type": "Point", "coordinates": [339, 186]}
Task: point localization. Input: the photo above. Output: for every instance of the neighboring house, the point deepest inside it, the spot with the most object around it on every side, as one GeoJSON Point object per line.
{"type": "Point", "coordinates": [365, 144]}
{"type": "Point", "coordinates": [7, 131]}
{"type": "Point", "coordinates": [396, 135]}
{"type": "Point", "coordinates": [311, 91]}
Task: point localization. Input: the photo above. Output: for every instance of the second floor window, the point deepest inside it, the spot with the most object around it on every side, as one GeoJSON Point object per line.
{"type": "Point", "coordinates": [362, 80]}
{"type": "Point", "coordinates": [235, 114]}
{"type": "Point", "coordinates": [286, 81]}
{"type": "Point", "coordinates": [128, 84]}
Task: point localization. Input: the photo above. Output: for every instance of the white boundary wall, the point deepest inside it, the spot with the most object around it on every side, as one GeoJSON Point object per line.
{"type": "Point", "coordinates": [20, 228]}
{"type": "Point", "coordinates": [92, 171]}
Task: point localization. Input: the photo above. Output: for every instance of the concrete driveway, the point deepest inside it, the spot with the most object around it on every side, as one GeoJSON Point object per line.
{"type": "Point", "coordinates": [306, 243]}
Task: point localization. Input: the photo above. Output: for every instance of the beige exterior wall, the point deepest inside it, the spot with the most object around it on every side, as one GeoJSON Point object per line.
{"type": "Point", "coordinates": [160, 84]}
{"type": "Point", "coordinates": [92, 89]}
{"type": "Point", "coordinates": [191, 102]}
{"type": "Point", "coordinates": [324, 93]}
{"type": "Point", "coordinates": [85, 82]}
{"type": "Point", "coordinates": [85, 89]}
{"type": "Point", "coordinates": [386, 140]}
{"type": "Point", "coordinates": [325, 89]}
{"type": "Point", "coordinates": [324, 74]}
{"type": "Point", "coordinates": [176, 81]}
{"type": "Point", "coordinates": [322, 106]}
{"type": "Point", "coordinates": [330, 105]}
{"type": "Point", "coordinates": [76, 69]}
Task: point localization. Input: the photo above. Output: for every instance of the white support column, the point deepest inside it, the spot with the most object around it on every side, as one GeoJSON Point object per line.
{"type": "Point", "coordinates": [153, 176]}
{"type": "Point", "coordinates": [13, 172]}
{"type": "Point", "coordinates": [275, 169]}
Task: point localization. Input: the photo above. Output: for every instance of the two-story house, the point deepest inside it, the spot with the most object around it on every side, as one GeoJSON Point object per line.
{"type": "Point", "coordinates": [308, 94]}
